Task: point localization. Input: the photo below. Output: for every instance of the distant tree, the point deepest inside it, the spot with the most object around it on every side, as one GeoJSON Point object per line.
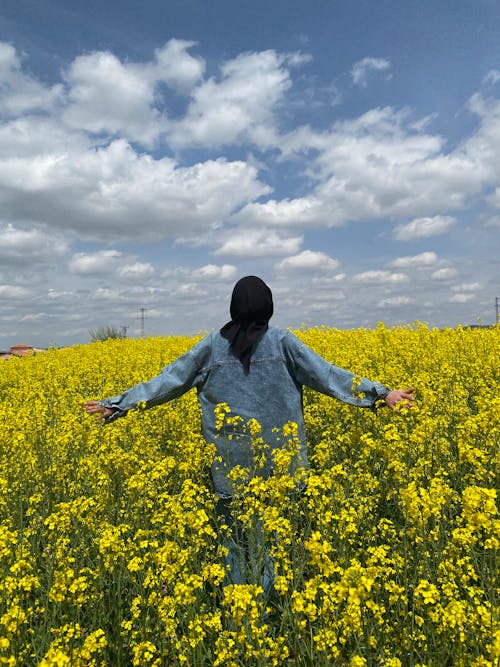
{"type": "Point", "coordinates": [105, 332]}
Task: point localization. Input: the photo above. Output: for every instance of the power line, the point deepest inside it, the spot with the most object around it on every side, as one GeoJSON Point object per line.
{"type": "Point", "coordinates": [143, 310]}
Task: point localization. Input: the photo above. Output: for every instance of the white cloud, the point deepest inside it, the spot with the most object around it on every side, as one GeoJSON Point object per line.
{"type": "Point", "coordinates": [106, 294]}
{"type": "Point", "coordinates": [363, 68]}
{"type": "Point", "coordinates": [327, 281]}
{"type": "Point", "coordinates": [30, 246]}
{"type": "Point", "coordinates": [492, 77]}
{"type": "Point", "coordinates": [30, 137]}
{"type": "Point", "coordinates": [104, 193]}
{"type": "Point", "coordinates": [13, 292]}
{"type": "Point", "coordinates": [136, 271]}
{"type": "Point", "coordinates": [492, 221]}
{"type": "Point", "coordinates": [176, 67]}
{"type": "Point", "coordinates": [462, 298]}
{"type": "Point", "coordinates": [372, 167]}
{"type": "Point", "coordinates": [376, 166]}
{"type": "Point", "coordinates": [326, 306]}
{"type": "Point", "coordinates": [34, 317]}
{"type": "Point", "coordinates": [308, 260]}
{"type": "Point", "coordinates": [102, 261]}
{"type": "Point", "coordinates": [467, 287]}
{"type": "Point", "coordinates": [213, 272]}
{"type": "Point", "coordinates": [424, 259]}
{"type": "Point", "coordinates": [395, 301]}
{"type": "Point", "coordinates": [445, 273]}
{"type": "Point", "coordinates": [70, 169]}
{"type": "Point", "coordinates": [190, 290]}
{"type": "Point", "coordinates": [423, 227]}
{"type": "Point", "coordinates": [297, 58]}
{"type": "Point", "coordinates": [237, 107]}
{"type": "Point", "coordinates": [108, 96]}
{"type": "Point", "coordinates": [55, 295]}
{"type": "Point", "coordinates": [494, 198]}
{"type": "Point", "coordinates": [380, 277]}
{"type": "Point", "coordinates": [21, 93]}
{"type": "Point", "coordinates": [257, 242]}
{"type": "Point", "coordinates": [482, 149]}
{"type": "Point", "coordinates": [304, 212]}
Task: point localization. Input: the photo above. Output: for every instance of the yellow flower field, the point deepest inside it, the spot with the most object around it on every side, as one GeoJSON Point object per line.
{"type": "Point", "coordinates": [108, 547]}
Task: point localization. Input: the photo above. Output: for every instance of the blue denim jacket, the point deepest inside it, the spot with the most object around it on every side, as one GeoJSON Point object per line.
{"type": "Point", "coordinates": [271, 393]}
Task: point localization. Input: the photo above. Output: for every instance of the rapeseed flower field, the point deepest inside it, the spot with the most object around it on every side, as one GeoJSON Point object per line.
{"type": "Point", "coordinates": [109, 553]}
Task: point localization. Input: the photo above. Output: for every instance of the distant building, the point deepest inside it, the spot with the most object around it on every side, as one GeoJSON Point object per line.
{"type": "Point", "coordinates": [20, 350]}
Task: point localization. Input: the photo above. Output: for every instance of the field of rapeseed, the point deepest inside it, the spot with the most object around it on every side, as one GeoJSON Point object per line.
{"type": "Point", "coordinates": [108, 547]}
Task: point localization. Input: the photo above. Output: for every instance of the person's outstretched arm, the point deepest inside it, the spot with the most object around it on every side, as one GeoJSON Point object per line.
{"type": "Point", "coordinates": [173, 381]}
{"type": "Point", "coordinates": [311, 370]}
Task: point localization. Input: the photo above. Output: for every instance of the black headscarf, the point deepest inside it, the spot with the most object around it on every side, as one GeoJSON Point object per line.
{"type": "Point", "coordinates": [251, 310]}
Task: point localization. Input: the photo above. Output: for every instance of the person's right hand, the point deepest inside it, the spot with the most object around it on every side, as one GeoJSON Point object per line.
{"type": "Point", "coordinates": [99, 411]}
{"type": "Point", "coordinates": [400, 398]}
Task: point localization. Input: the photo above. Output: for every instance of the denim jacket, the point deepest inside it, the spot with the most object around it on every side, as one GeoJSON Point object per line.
{"type": "Point", "coordinates": [271, 393]}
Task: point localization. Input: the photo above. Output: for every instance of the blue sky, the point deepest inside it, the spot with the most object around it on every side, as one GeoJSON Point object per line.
{"type": "Point", "coordinates": [151, 153]}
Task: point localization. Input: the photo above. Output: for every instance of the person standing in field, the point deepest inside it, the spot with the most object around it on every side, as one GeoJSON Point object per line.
{"type": "Point", "coordinates": [258, 372]}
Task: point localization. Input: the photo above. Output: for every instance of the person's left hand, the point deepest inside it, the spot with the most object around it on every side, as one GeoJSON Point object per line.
{"type": "Point", "coordinates": [99, 411]}
{"type": "Point", "coordinates": [400, 398]}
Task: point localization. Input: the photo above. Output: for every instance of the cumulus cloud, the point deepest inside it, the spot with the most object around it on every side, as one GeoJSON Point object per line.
{"type": "Point", "coordinates": [461, 298]}
{"type": "Point", "coordinates": [365, 67]}
{"type": "Point", "coordinates": [102, 261]}
{"type": "Point", "coordinates": [494, 198]}
{"type": "Point", "coordinates": [381, 165]}
{"type": "Point", "coordinates": [492, 77]}
{"type": "Point", "coordinates": [423, 227]}
{"type": "Point", "coordinates": [107, 294]}
{"type": "Point", "coordinates": [13, 292]}
{"type": "Point", "coordinates": [424, 259]}
{"type": "Point", "coordinates": [492, 221]}
{"type": "Point", "coordinates": [395, 301]}
{"type": "Point", "coordinates": [190, 290]}
{"type": "Point", "coordinates": [446, 273]}
{"type": "Point", "coordinates": [176, 67]}
{"type": "Point", "coordinates": [376, 166]}
{"type": "Point", "coordinates": [214, 272]}
{"type": "Point", "coordinates": [105, 192]}
{"type": "Point", "coordinates": [467, 287]}
{"type": "Point", "coordinates": [380, 276]}
{"type": "Point", "coordinates": [308, 260]}
{"type": "Point", "coordinates": [238, 106]}
{"type": "Point", "coordinates": [30, 246]}
{"type": "Point", "coordinates": [77, 163]}
{"type": "Point", "coordinates": [55, 295]}
{"type": "Point", "coordinates": [136, 271]}
{"type": "Point", "coordinates": [19, 92]}
{"type": "Point", "coordinates": [106, 95]}
{"type": "Point", "coordinates": [258, 242]}
{"type": "Point", "coordinates": [483, 147]}
{"type": "Point", "coordinates": [29, 138]}
{"type": "Point", "coordinates": [305, 211]}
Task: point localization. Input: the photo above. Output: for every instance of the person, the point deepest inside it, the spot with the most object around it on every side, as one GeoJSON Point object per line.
{"type": "Point", "coordinates": [258, 372]}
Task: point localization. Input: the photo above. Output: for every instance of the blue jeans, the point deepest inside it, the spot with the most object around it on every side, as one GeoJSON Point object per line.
{"type": "Point", "coordinates": [248, 558]}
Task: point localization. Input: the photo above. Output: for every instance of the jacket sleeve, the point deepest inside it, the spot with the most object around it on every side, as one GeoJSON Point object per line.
{"type": "Point", "coordinates": [176, 379]}
{"type": "Point", "coordinates": [311, 370]}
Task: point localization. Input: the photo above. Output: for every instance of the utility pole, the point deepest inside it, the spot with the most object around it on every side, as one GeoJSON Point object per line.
{"type": "Point", "coordinates": [124, 331]}
{"type": "Point", "coordinates": [496, 311]}
{"type": "Point", "coordinates": [143, 310]}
